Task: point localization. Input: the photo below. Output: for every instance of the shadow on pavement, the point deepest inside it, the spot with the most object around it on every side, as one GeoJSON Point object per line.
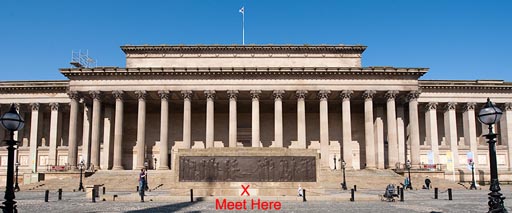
{"type": "Point", "coordinates": [168, 208]}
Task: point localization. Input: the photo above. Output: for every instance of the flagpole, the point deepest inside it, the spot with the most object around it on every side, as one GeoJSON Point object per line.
{"type": "Point", "coordinates": [243, 27]}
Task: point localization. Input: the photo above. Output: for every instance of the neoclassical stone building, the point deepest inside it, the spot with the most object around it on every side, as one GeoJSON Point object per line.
{"type": "Point", "coordinates": [296, 97]}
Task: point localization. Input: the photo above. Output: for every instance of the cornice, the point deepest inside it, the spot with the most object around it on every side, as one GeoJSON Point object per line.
{"type": "Point", "coordinates": [34, 86]}
{"type": "Point", "coordinates": [427, 85]}
{"type": "Point", "coordinates": [247, 49]}
{"type": "Point", "coordinates": [77, 73]}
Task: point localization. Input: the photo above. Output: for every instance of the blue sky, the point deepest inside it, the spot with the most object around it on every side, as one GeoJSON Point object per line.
{"type": "Point", "coordinates": [456, 39]}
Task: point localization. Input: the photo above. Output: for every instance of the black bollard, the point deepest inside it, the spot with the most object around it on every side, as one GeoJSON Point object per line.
{"type": "Point", "coordinates": [46, 194]}
{"type": "Point", "coordinates": [191, 195]}
{"type": "Point", "coordinates": [355, 188]}
{"type": "Point", "coordinates": [137, 188]}
{"type": "Point", "coordinates": [60, 194]}
{"type": "Point", "coordinates": [401, 194]}
{"type": "Point", "coordinates": [352, 195]}
{"type": "Point", "coordinates": [103, 190]}
{"type": "Point", "coordinates": [303, 195]}
{"type": "Point", "coordinates": [94, 195]}
{"type": "Point", "coordinates": [436, 191]}
{"type": "Point", "coordinates": [398, 190]}
{"type": "Point", "coordinates": [449, 194]}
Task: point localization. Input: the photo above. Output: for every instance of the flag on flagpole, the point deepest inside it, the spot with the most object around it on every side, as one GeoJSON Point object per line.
{"type": "Point", "coordinates": [241, 10]}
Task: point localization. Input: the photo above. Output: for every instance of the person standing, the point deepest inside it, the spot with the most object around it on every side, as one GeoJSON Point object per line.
{"type": "Point", "coordinates": [427, 183]}
{"type": "Point", "coordinates": [142, 184]}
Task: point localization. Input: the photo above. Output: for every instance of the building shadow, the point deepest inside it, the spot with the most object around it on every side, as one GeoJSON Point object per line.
{"type": "Point", "coordinates": [168, 208]}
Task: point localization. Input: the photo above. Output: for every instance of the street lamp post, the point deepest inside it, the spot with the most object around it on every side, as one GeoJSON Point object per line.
{"type": "Point", "coordinates": [11, 121]}
{"type": "Point", "coordinates": [344, 184]}
{"type": "Point", "coordinates": [489, 115]}
{"type": "Point", "coordinates": [408, 165]}
{"type": "Point", "coordinates": [81, 166]}
{"type": "Point", "coordinates": [16, 185]}
{"type": "Point", "coordinates": [473, 184]}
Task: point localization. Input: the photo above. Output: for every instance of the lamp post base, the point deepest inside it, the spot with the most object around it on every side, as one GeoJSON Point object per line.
{"type": "Point", "coordinates": [495, 198]}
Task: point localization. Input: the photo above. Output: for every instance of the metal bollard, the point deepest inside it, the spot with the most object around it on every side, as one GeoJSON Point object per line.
{"type": "Point", "coordinates": [401, 194]}
{"type": "Point", "coordinates": [94, 195]}
{"type": "Point", "coordinates": [191, 195]}
{"type": "Point", "coordinates": [46, 194]}
{"type": "Point", "coordinates": [60, 194]}
{"type": "Point", "coordinates": [355, 188]}
{"type": "Point", "coordinates": [103, 190]}
{"type": "Point", "coordinates": [398, 190]}
{"type": "Point", "coordinates": [436, 191]}
{"type": "Point", "coordinates": [303, 195]}
{"type": "Point", "coordinates": [352, 195]}
{"type": "Point", "coordinates": [137, 188]}
{"type": "Point", "coordinates": [449, 194]}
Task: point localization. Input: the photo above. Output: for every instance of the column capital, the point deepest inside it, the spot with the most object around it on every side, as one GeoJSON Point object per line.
{"type": "Point", "coordinates": [508, 106]}
{"type": "Point", "coordinates": [141, 95]}
{"type": "Point", "coordinates": [469, 106]}
{"type": "Point", "coordinates": [74, 95]}
{"type": "Point", "coordinates": [301, 94]}
{"type": "Point", "coordinates": [187, 94]}
{"type": "Point", "coordinates": [34, 106]}
{"type": "Point", "coordinates": [278, 94]}
{"type": "Point", "coordinates": [413, 95]}
{"type": "Point", "coordinates": [324, 94]}
{"type": "Point", "coordinates": [391, 95]}
{"type": "Point", "coordinates": [164, 94]}
{"type": "Point", "coordinates": [232, 94]}
{"type": "Point", "coordinates": [431, 106]}
{"type": "Point", "coordinates": [346, 94]}
{"type": "Point", "coordinates": [210, 94]}
{"type": "Point", "coordinates": [368, 94]}
{"type": "Point", "coordinates": [450, 106]}
{"type": "Point", "coordinates": [118, 94]}
{"type": "Point", "coordinates": [255, 94]}
{"type": "Point", "coordinates": [54, 106]}
{"type": "Point", "coordinates": [95, 94]}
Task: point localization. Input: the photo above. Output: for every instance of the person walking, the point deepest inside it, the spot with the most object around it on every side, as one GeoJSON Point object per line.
{"type": "Point", "coordinates": [142, 184]}
{"type": "Point", "coordinates": [427, 183]}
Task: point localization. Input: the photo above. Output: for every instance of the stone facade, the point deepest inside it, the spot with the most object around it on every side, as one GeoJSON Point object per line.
{"type": "Point", "coordinates": [296, 97]}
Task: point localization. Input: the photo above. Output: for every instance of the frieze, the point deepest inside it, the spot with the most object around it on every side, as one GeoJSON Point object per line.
{"type": "Point", "coordinates": [247, 169]}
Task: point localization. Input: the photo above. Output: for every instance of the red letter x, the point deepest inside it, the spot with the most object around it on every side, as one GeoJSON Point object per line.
{"type": "Point", "coordinates": [245, 190]}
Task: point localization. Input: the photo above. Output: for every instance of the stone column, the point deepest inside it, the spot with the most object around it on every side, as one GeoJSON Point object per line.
{"type": "Point", "coordinates": [369, 137]}
{"type": "Point", "coordinates": [379, 136]}
{"type": "Point", "coordinates": [73, 123]}
{"type": "Point", "coordinates": [106, 152]}
{"type": "Point", "coordinates": [164, 130]}
{"type": "Point", "coordinates": [95, 135]}
{"type": "Point", "coordinates": [414, 127]}
{"type": "Point", "coordinates": [431, 129]}
{"type": "Point", "coordinates": [210, 118]}
{"type": "Point", "coordinates": [450, 129]}
{"type": "Point", "coordinates": [278, 117]}
{"type": "Point", "coordinates": [301, 118]}
{"type": "Point", "coordinates": [86, 134]}
{"type": "Point", "coordinates": [347, 128]}
{"type": "Point", "coordinates": [2, 130]}
{"type": "Point", "coordinates": [469, 124]}
{"type": "Point", "coordinates": [141, 129]}
{"type": "Point", "coordinates": [54, 123]}
{"type": "Point", "coordinates": [400, 130]}
{"type": "Point", "coordinates": [187, 118]}
{"type": "Point", "coordinates": [255, 127]}
{"type": "Point", "coordinates": [392, 129]}
{"type": "Point", "coordinates": [508, 132]}
{"type": "Point", "coordinates": [118, 130]}
{"type": "Point", "coordinates": [34, 137]}
{"type": "Point", "coordinates": [232, 117]}
{"type": "Point", "coordinates": [324, 127]}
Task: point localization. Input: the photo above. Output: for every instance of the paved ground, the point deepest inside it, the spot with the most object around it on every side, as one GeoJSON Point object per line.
{"type": "Point", "coordinates": [415, 201]}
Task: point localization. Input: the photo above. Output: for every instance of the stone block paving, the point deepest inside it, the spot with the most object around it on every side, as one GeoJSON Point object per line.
{"type": "Point", "coordinates": [415, 201]}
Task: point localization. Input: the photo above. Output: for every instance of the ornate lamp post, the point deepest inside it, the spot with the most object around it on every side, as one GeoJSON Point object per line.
{"type": "Point", "coordinates": [473, 184]}
{"type": "Point", "coordinates": [489, 115]}
{"type": "Point", "coordinates": [81, 167]}
{"type": "Point", "coordinates": [344, 184]}
{"type": "Point", "coordinates": [16, 185]}
{"type": "Point", "coordinates": [408, 165]}
{"type": "Point", "coordinates": [11, 121]}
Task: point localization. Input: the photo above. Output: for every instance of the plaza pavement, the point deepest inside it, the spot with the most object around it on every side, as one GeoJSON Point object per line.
{"type": "Point", "coordinates": [365, 201]}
